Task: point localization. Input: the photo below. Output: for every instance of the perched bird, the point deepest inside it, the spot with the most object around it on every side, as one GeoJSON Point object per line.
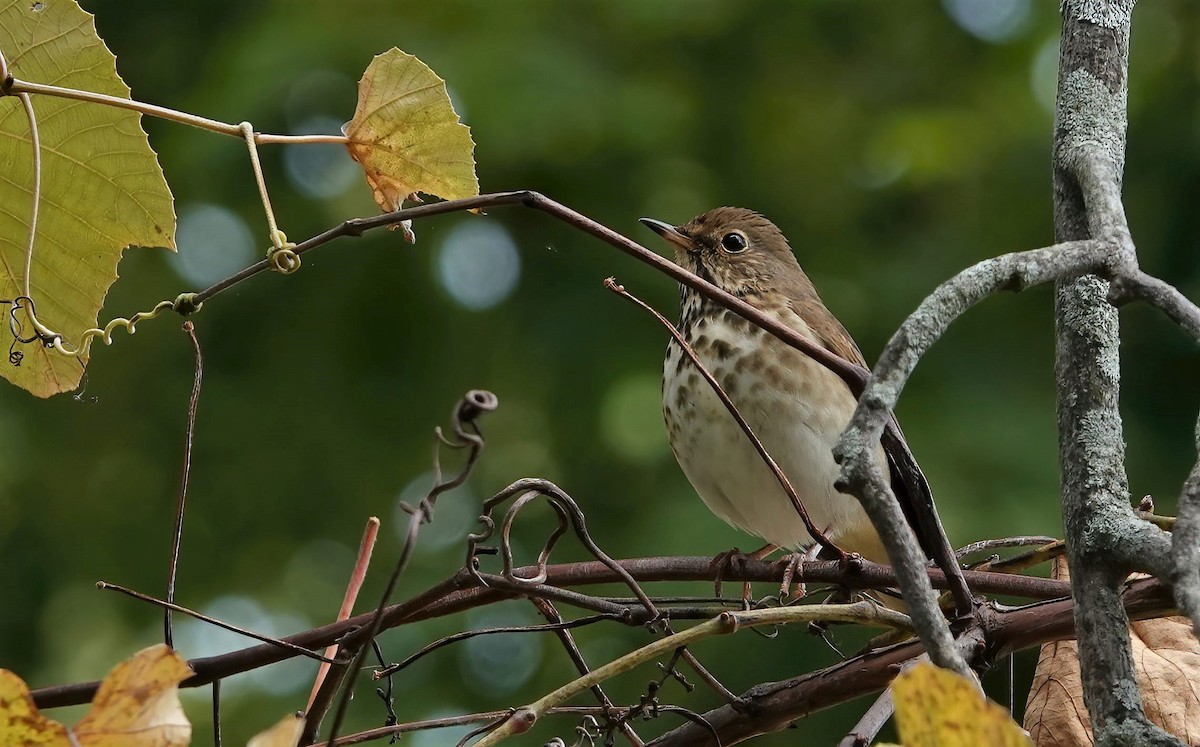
{"type": "Point", "coordinates": [796, 406]}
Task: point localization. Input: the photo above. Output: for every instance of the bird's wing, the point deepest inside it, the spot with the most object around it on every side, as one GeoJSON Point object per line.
{"type": "Point", "coordinates": [828, 330]}
{"type": "Point", "coordinates": [908, 481]}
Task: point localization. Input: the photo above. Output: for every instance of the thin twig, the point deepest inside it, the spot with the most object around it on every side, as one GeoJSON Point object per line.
{"type": "Point", "coordinates": [772, 465]}
{"type": "Point", "coordinates": [865, 612]}
{"type": "Point", "coordinates": [473, 404]}
{"type": "Point", "coordinates": [189, 432]}
{"type": "Point", "coordinates": [876, 717]}
{"type": "Point", "coordinates": [451, 721]}
{"type": "Point", "coordinates": [454, 595]}
{"type": "Point", "coordinates": [1018, 563]}
{"type": "Point", "coordinates": [216, 712]}
{"type": "Point", "coordinates": [569, 514]}
{"type": "Point", "coordinates": [280, 643]}
{"type": "Point", "coordinates": [429, 648]}
{"type": "Point", "coordinates": [361, 562]}
{"type": "Point", "coordinates": [1002, 543]}
{"type": "Point", "coordinates": [260, 180]}
{"type": "Point", "coordinates": [548, 611]}
{"type": "Point", "coordinates": [37, 190]}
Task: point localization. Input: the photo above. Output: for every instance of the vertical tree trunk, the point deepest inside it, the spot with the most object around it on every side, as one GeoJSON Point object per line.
{"type": "Point", "coordinates": [1089, 156]}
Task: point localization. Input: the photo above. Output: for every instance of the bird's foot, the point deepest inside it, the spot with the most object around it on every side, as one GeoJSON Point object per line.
{"type": "Point", "coordinates": [735, 560]}
{"type": "Point", "coordinates": [792, 570]}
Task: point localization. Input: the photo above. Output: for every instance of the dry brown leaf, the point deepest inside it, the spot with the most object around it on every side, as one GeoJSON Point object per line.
{"type": "Point", "coordinates": [1166, 658]}
{"type": "Point", "coordinates": [407, 136]}
{"type": "Point", "coordinates": [937, 708]}
{"type": "Point", "coordinates": [136, 705]}
{"type": "Point", "coordinates": [286, 733]}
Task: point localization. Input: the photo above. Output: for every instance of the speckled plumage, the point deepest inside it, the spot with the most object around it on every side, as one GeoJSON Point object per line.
{"type": "Point", "coordinates": [796, 406]}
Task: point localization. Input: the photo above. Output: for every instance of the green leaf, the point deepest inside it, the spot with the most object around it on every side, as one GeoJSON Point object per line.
{"type": "Point", "coordinates": [102, 187]}
{"type": "Point", "coordinates": [407, 136]}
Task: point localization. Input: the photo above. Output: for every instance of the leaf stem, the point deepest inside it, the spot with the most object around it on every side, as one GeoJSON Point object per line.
{"type": "Point", "coordinates": [162, 112]}
{"type": "Point", "coordinates": [278, 240]}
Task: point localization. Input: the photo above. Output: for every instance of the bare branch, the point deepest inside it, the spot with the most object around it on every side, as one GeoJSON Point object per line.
{"type": "Point", "coordinates": [866, 612]}
{"type": "Point", "coordinates": [772, 706]}
{"type": "Point", "coordinates": [281, 644]}
{"type": "Point", "coordinates": [860, 474]}
{"type": "Point", "coordinates": [466, 435]}
{"type": "Point", "coordinates": [457, 594]}
{"type": "Point", "coordinates": [1138, 286]}
{"type": "Point", "coordinates": [869, 724]}
{"type": "Point", "coordinates": [358, 574]}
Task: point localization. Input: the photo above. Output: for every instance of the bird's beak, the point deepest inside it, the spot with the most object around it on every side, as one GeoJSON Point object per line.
{"type": "Point", "coordinates": [669, 232]}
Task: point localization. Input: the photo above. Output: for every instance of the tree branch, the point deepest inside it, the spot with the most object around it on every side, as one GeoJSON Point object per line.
{"type": "Point", "coordinates": [865, 613]}
{"type": "Point", "coordinates": [1089, 156]}
{"type": "Point", "coordinates": [772, 706]}
{"type": "Point", "coordinates": [916, 335]}
{"type": "Point", "coordinates": [459, 593]}
{"type": "Point", "coordinates": [1185, 546]}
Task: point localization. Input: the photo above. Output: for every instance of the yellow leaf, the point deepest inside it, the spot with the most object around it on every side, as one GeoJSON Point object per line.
{"type": "Point", "coordinates": [406, 135]}
{"type": "Point", "coordinates": [20, 723]}
{"type": "Point", "coordinates": [137, 704]}
{"type": "Point", "coordinates": [937, 708]}
{"type": "Point", "coordinates": [102, 187]}
{"type": "Point", "coordinates": [286, 733]}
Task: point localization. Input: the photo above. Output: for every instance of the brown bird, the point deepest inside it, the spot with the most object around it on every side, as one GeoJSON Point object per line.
{"type": "Point", "coordinates": [796, 407]}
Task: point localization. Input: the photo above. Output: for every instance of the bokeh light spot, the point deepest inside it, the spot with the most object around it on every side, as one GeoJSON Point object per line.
{"type": "Point", "coordinates": [1043, 74]}
{"type": "Point", "coordinates": [195, 638]}
{"type": "Point", "coordinates": [500, 663]}
{"type": "Point", "coordinates": [478, 264]}
{"type": "Point", "coordinates": [213, 241]}
{"type": "Point", "coordinates": [631, 421]}
{"type": "Point", "coordinates": [454, 519]}
{"type": "Point", "coordinates": [319, 170]}
{"type": "Point", "coordinates": [991, 20]}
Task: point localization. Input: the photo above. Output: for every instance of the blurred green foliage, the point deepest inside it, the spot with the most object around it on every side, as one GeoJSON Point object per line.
{"type": "Point", "coordinates": [890, 142]}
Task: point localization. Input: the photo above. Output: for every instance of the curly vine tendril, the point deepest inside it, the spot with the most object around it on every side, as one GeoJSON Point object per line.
{"type": "Point", "coordinates": [184, 304]}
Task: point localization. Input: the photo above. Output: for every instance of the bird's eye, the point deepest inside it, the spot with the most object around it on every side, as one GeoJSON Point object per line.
{"type": "Point", "coordinates": [734, 242]}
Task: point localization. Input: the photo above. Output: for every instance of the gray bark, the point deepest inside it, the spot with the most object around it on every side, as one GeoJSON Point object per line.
{"type": "Point", "coordinates": [1103, 535]}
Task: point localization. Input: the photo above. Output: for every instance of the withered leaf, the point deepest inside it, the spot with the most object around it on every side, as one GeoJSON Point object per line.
{"type": "Point", "coordinates": [406, 135]}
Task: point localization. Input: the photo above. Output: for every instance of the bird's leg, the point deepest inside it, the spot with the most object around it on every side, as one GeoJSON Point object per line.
{"type": "Point", "coordinates": [793, 567]}
{"type": "Point", "coordinates": [726, 561]}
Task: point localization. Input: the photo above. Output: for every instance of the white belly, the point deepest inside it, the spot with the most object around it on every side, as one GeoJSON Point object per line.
{"type": "Point", "coordinates": [797, 418]}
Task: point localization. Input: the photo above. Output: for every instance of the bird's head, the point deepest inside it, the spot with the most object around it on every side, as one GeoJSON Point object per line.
{"type": "Point", "coordinates": [736, 249]}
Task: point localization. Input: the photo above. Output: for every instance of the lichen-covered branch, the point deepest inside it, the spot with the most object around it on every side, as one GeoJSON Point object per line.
{"type": "Point", "coordinates": [1186, 546]}
{"type": "Point", "coordinates": [1102, 532]}
{"type": "Point", "coordinates": [915, 336]}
